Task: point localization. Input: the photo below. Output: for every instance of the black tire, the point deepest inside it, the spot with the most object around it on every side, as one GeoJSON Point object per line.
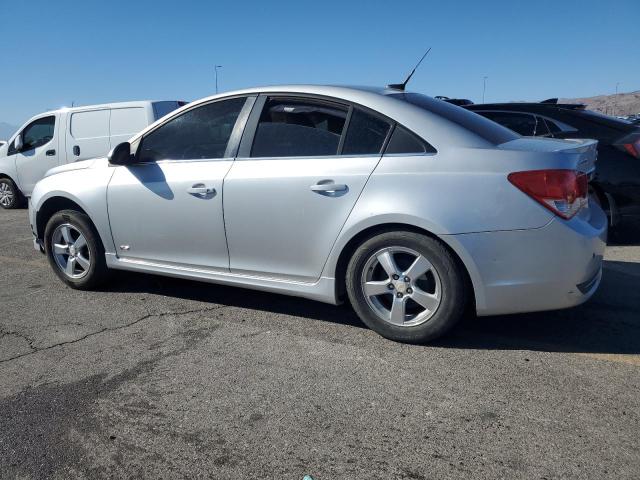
{"type": "Point", "coordinates": [17, 199]}
{"type": "Point", "coordinates": [453, 295]}
{"type": "Point", "coordinates": [97, 273]}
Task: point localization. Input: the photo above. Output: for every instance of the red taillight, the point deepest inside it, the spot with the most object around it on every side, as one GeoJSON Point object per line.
{"type": "Point", "coordinates": [633, 149]}
{"type": "Point", "coordinates": [564, 192]}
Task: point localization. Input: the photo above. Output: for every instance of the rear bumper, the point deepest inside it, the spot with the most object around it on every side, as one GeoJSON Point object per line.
{"type": "Point", "coordinates": [553, 267]}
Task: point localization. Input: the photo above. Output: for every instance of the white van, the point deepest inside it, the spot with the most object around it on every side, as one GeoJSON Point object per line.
{"type": "Point", "coordinates": [69, 135]}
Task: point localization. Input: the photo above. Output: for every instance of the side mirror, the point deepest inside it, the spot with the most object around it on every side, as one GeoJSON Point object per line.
{"type": "Point", "coordinates": [121, 154]}
{"type": "Point", "coordinates": [17, 143]}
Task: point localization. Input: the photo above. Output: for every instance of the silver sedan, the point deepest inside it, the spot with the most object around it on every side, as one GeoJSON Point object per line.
{"type": "Point", "coordinates": [408, 206]}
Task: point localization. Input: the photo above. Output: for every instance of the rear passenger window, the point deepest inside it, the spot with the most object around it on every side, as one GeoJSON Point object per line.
{"type": "Point", "coordinates": [201, 133]}
{"type": "Point", "coordinates": [403, 141]}
{"type": "Point", "coordinates": [298, 128]}
{"type": "Point", "coordinates": [365, 135]}
{"type": "Point", "coordinates": [541, 127]}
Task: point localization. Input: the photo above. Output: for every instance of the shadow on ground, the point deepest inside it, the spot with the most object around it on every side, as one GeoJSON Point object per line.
{"type": "Point", "coordinates": [608, 323]}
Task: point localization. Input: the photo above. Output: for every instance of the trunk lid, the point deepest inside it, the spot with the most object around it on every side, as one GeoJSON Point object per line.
{"type": "Point", "coordinates": [584, 150]}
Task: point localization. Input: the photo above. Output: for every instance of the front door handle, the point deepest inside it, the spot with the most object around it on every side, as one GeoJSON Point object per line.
{"type": "Point", "coordinates": [327, 186]}
{"type": "Point", "coordinates": [201, 189]}
{"type": "Point", "coordinates": [50, 153]}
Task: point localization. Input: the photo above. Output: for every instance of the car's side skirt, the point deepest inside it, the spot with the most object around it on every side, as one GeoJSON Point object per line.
{"type": "Point", "coordinates": [323, 290]}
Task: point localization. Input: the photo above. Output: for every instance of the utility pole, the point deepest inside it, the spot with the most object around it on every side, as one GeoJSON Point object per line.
{"type": "Point", "coordinates": [215, 68]}
{"type": "Point", "coordinates": [484, 87]}
{"type": "Point", "coordinates": [615, 100]}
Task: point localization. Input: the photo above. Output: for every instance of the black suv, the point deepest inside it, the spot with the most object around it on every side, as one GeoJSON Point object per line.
{"type": "Point", "coordinates": [617, 180]}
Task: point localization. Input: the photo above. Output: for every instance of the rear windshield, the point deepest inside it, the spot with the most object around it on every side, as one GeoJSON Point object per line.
{"type": "Point", "coordinates": [481, 126]}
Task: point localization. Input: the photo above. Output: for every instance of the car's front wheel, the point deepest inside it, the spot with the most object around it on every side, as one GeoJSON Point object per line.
{"type": "Point", "coordinates": [75, 251]}
{"type": "Point", "coordinates": [10, 196]}
{"type": "Point", "coordinates": [406, 286]}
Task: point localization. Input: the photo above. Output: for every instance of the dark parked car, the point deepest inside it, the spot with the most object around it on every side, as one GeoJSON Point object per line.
{"type": "Point", "coordinates": [617, 180]}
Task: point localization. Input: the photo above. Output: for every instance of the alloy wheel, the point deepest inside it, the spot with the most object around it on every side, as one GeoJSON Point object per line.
{"type": "Point", "coordinates": [6, 194]}
{"type": "Point", "coordinates": [71, 251]}
{"type": "Point", "coordinates": [401, 286]}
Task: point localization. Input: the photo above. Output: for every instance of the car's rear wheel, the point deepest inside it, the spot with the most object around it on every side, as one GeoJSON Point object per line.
{"type": "Point", "coordinates": [406, 286]}
{"type": "Point", "coordinates": [75, 251]}
{"type": "Point", "coordinates": [10, 196]}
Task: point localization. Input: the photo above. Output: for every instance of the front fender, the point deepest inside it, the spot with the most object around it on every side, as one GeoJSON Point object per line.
{"type": "Point", "coordinates": [87, 188]}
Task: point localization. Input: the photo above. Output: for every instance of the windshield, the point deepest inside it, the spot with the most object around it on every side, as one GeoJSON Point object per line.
{"type": "Point", "coordinates": [481, 126]}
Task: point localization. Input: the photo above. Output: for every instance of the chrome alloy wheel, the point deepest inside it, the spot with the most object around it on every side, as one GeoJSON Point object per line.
{"type": "Point", "coordinates": [70, 251]}
{"type": "Point", "coordinates": [6, 194]}
{"type": "Point", "coordinates": [401, 286]}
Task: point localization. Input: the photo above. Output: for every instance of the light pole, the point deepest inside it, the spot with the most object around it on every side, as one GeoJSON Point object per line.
{"type": "Point", "coordinates": [484, 87]}
{"type": "Point", "coordinates": [615, 100]}
{"type": "Point", "coordinates": [215, 68]}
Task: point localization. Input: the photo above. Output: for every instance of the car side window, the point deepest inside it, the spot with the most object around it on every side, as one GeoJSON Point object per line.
{"type": "Point", "coordinates": [38, 133]}
{"type": "Point", "coordinates": [295, 127]}
{"type": "Point", "coordinates": [522, 123]}
{"type": "Point", "coordinates": [402, 141]}
{"type": "Point", "coordinates": [366, 134]}
{"type": "Point", "coordinates": [201, 133]}
{"type": "Point", "coordinates": [541, 128]}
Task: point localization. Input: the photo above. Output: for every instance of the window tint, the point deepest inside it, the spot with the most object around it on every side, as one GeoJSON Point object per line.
{"type": "Point", "coordinates": [474, 123]}
{"type": "Point", "coordinates": [38, 133]}
{"type": "Point", "coordinates": [91, 124]}
{"type": "Point", "coordinates": [403, 141]}
{"type": "Point", "coordinates": [553, 127]}
{"type": "Point", "coordinates": [541, 127]}
{"type": "Point", "coordinates": [365, 135]}
{"type": "Point", "coordinates": [298, 128]}
{"type": "Point", "coordinates": [521, 123]}
{"type": "Point", "coordinates": [160, 109]}
{"type": "Point", "coordinates": [197, 134]}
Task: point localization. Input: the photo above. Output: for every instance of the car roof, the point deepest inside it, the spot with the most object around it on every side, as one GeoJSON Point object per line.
{"type": "Point", "coordinates": [427, 124]}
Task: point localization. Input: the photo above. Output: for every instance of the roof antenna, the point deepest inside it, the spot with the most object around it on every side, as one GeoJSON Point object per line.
{"type": "Point", "coordinates": [401, 86]}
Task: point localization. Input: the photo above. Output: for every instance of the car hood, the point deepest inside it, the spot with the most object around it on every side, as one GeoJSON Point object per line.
{"type": "Point", "coordinates": [81, 165]}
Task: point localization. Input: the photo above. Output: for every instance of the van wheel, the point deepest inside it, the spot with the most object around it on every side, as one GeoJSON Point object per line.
{"type": "Point", "coordinates": [10, 196]}
{"type": "Point", "coordinates": [75, 251]}
{"type": "Point", "coordinates": [406, 286]}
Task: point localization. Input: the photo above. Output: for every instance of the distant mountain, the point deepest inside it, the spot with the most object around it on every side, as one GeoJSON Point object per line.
{"type": "Point", "coordinates": [6, 130]}
{"type": "Point", "coordinates": [620, 104]}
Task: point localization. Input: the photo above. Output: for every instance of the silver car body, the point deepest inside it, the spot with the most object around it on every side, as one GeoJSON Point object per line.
{"type": "Point", "coordinates": [262, 227]}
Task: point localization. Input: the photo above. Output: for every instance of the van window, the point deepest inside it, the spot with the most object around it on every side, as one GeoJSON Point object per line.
{"type": "Point", "coordinates": [91, 124]}
{"type": "Point", "coordinates": [38, 133]}
{"type": "Point", "coordinates": [128, 121]}
{"type": "Point", "coordinates": [160, 109]}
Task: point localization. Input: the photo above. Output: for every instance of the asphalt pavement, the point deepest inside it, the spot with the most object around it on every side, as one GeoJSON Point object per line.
{"type": "Point", "coordinates": [163, 378]}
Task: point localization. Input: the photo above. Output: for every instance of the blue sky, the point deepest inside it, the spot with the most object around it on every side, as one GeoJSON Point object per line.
{"type": "Point", "coordinates": [56, 52]}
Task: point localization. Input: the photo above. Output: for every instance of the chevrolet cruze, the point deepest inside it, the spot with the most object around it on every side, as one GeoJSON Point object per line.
{"type": "Point", "coordinates": [410, 207]}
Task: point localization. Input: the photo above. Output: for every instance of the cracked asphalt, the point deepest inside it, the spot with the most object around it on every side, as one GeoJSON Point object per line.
{"type": "Point", "coordinates": [163, 378]}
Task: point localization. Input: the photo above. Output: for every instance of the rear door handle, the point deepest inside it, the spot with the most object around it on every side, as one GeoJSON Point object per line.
{"type": "Point", "coordinates": [50, 153]}
{"type": "Point", "coordinates": [326, 187]}
{"type": "Point", "coordinates": [76, 150]}
{"type": "Point", "coordinates": [201, 189]}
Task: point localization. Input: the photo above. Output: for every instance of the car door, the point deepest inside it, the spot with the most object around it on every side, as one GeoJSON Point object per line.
{"type": "Point", "coordinates": [167, 207]}
{"type": "Point", "coordinates": [301, 167]}
{"type": "Point", "coordinates": [38, 153]}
